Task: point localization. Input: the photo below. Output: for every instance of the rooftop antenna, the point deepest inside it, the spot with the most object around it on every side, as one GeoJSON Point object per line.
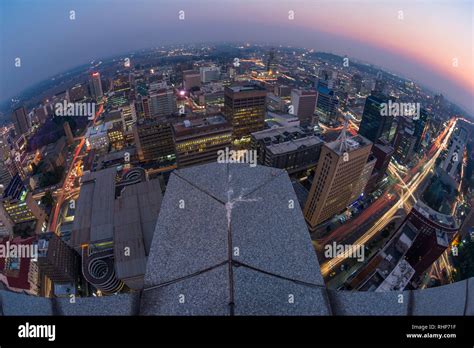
{"type": "Point", "coordinates": [342, 138]}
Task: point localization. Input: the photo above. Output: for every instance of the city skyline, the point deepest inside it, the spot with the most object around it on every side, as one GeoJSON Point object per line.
{"type": "Point", "coordinates": [424, 53]}
{"type": "Point", "coordinates": [236, 158]}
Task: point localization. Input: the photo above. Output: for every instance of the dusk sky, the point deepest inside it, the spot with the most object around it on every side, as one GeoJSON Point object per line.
{"type": "Point", "coordinates": [422, 46]}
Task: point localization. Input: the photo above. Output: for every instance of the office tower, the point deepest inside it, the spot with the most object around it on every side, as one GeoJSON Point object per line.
{"type": "Point", "coordinates": [97, 137]}
{"type": "Point", "coordinates": [379, 86]}
{"type": "Point", "coordinates": [198, 140]}
{"type": "Point", "coordinates": [404, 142]}
{"type": "Point", "coordinates": [5, 175]}
{"type": "Point", "coordinates": [209, 73]}
{"type": "Point", "coordinates": [21, 121]}
{"type": "Point", "coordinates": [282, 91]}
{"type": "Point", "coordinates": [271, 62]}
{"type": "Point", "coordinates": [356, 82]}
{"type": "Point", "coordinates": [54, 155]}
{"type": "Point", "coordinates": [14, 165]}
{"type": "Point", "coordinates": [304, 103]}
{"type": "Point", "coordinates": [191, 79]}
{"type": "Point", "coordinates": [41, 114]}
{"type": "Point", "coordinates": [373, 125]}
{"type": "Point", "coordinates": [57, 260]}
{"type": "Point", "coordinates": [113, 227]}
{"type": "Point", "coordinates": [21, 207]}
{"type": "Point", "coordinates": [420, 127]}
{"type": "Point", "coordinates": [116, 136]}
{"type": "Point", "coordinates": [362, 180]}
{"type": "Point", "coordinates": [244, 108]}
{"type": "Point", "coordinates": [121, 85]}
{"type": "Point", "coordinates": [326, 104]}
{"type": "Point", "coordinates": [68, 132]}
{"type": "Point", "coordinates": [61, 96]}
{"type": "Point", "coordinates": [275, 103]}
{"type": "Point", "coordinates": [162, 103]}
{"type": "Point", "coordinates": [77, 93]}
{"type": "Point", "coordinates": [154, 140]}
{"type": "Point", "coordinates": [6, 224]}
{"type": "Point", "coordinates": [96, 86]}
{"type": "Point", "coordinates": [128, 116]}
{"type": "Point", "coordinates": [145, 105]}
{"type": "Point", "coordinates": [324, 74]}
{"type": "Point", "coordinates": [287, 148]}
{"type": "Point", "coordinates": [335, 182]}
{"type": "Point", "coordinates": [383, 154]}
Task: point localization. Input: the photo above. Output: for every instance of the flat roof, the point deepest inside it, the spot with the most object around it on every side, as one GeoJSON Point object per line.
{"type": "Point", "coordinates": [355, 142]}
{"type": "Point", "coordinates": [135, 214]}
{"type": "Point", "coordinates": [93, 220]}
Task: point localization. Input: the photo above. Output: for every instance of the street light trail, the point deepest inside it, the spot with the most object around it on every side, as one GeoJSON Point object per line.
{"type": "Point", "coordinates": [412, 186]}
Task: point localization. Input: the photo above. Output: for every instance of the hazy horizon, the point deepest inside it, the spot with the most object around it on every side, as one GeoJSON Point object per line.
{"type": "Point", "coordinates": [421, 46]}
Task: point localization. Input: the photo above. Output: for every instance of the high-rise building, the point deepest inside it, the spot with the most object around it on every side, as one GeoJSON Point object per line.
{"type": "Point", "coordinates": [326, 104]}
{"type": "Point", "coordinates": [304, 104]}
{"type": "Point", "coordinates": [68, 132]}
{"type": "Point", "coordinates": [145, 106]}
{"type": "Point", "coordinates": [209, 73]}
{"type": "Point", "coordinates": [379, 86]}
{"type": "Point", "coordinates": [282, 91]}
{"type": "Point", "coordinates": [198, 140]}
{"type": "Point", "coordinates": [6, 224]}
{"type": "Point", "coordinates": [334, 183]}
{"type": "Point", "coordinates": [420, 125]}
{"type": "Point", "coordinates": [244, 107]}
{"type": "Point", "coordinates": [77, 93]}
{"type": "Point", "coordinates": [19, 204]}
{"type": "Point", "coordinates": [404, 142]}
{"type": "Point", "coordinates": [56, 259]}
{"type": "Point", "coordinates": [191, 79]}
{"type": "Point", "coordinates": [356, 82]}
{"type": "Point", "coordinates": [162, 103]}
{"type": "Point", "coordinates": [383, 154]}
{"type": "Point", "coordinates": [275, 103]}
{"type": "Point", "coordinates": [96, 85]}
{"type": "Point", "coordinates": [21, 121]}
{"type": "Point", "coordinates": [41, 114]}
{"type": "Point", "coordinates": [129, 117]}
{"type": "Point", "coordinates": [373, 125]}
{"type": "Point", "coordinates": [154, 140]}
{"type": "Point", "coordinates": [5, 175]}
{"type": "Point", "coordinates": [116, 136]}
{"type": "Point", "coordinates": [364, 177]}
{"type": "Point", "coordinates": [289, 148]}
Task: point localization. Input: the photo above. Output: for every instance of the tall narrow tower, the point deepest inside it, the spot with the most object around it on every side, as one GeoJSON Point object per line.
{"type": "Point", "coordinates": [340, 165]}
